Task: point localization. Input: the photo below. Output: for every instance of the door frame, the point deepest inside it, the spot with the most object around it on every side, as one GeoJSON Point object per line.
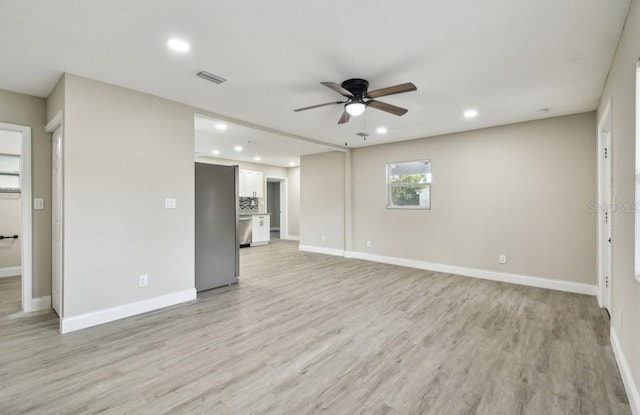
{"type": "Point", "coordinates": [26, 245]}
{"type": "Point", "coordinates": [284, 200]}
{"type": "Point", "coordinates": [51, 127]}
{"type": "Point", "coordinates": [605, 204]}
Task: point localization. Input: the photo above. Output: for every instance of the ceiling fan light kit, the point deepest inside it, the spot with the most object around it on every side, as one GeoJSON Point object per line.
{"type": "Point", "coordinates": [355, 108]}
{"type": "Point", "coordinates": [359, 98]}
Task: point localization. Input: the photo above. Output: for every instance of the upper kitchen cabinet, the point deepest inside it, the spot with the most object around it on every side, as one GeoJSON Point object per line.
{"type": "Point", "coordinates": [251, 183]}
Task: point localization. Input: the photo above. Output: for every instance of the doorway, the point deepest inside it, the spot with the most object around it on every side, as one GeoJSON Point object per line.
{"type": "Point", "coordinates": [605, 207]}
{"type": "Point", "coordinates": [10, 221]}
{"type": "Point", "coordinates": [15, 218]}
{"type": "Point", "coordinates": [277, 206]}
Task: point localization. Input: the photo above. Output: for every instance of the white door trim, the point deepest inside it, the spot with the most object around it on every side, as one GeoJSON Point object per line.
{"type": "Point", "coordinates": [27, 220]}
{"type": "Point", "coordinates": [605, 199]}
{"type": "Point", "coordinates": [284, 203]}
{"type": "Point", "coordinates": [52, 126]}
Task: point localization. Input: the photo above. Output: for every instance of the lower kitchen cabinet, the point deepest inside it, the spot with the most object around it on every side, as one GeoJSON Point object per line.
{"type": "Point", "coordinates": [261, 230]}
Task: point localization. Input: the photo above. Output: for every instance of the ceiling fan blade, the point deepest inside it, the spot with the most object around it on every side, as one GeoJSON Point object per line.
{"type": "Point", "coordinates": [345, 118]}
{"type": "Point", "coordinates": [383, 106]}
{"type": "Point", "coordinates": [318, 106]}
{"type": "Point", "coordinates": [390, 90]}
{"type": "Point", "coordinates": [339, 89]}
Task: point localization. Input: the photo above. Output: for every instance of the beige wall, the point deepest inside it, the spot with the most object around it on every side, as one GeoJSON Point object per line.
{"type": "Point", "coordinates": [30, 111]}
{"type": "Point", "coordinates": [124, 152]}
{"type": "Point", "coordinates": [625, 288]}
{"type": "Point", "coordinates": [322, 200]}
{"type": "Point", "coordinates": [523, 190]}
{"type": "Point", "coordinates": [293, 194]}
{"type": "Point", "coordinates": [56, 99]}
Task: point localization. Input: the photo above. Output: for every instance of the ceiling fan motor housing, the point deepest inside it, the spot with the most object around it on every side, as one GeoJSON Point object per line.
{"type": "Point", "coordinates": [358, 87]}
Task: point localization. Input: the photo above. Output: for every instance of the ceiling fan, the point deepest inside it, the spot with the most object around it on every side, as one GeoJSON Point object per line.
{"type": "Point", "coordinates": [358, 98]}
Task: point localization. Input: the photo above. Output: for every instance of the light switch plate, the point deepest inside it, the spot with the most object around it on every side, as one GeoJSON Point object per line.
{"type": "Point", "coordinates": [169, 203]}
{"type": "Point", "coordinates": [38, 203]}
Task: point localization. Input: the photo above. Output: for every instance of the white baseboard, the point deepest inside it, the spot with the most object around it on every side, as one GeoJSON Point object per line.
{"type": "Point", "coordinates": [321, 250]}
{"type": "Point", "coordinates": [69, 324]}
{"type": "Point", "coordinates": [10, 272]}
{"type": "Point", "coordinates": [559, 285]}
{"type": "Point", "coordinates": [41, 303]}
{"type": "Point", "coordinates": [627, 376]}
{"type": "Point", "coordinates": [292, 238]}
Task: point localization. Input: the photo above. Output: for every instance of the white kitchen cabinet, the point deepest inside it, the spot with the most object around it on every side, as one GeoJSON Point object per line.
{"type": "Point", "coordinates": [242, 185]}
{"type": "Point", "coordinates": [250, 183]}
{"type": "Point", "coordinates": [260, 230]}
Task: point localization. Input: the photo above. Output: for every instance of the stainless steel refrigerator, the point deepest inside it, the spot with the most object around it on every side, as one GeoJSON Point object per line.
{"type": "Point", "coordinates": [217, 255]}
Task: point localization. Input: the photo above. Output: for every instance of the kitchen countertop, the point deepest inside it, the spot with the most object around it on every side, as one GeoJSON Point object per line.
{"type": "Point", "coordinates": [253, 214]}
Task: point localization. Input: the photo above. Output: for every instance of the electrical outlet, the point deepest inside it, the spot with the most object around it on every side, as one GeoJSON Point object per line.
{"type": "Point", "coordinates": [368, 244]}
{"type": "Point", "coordinates": [324, 238]}
{"type": "Point", "coordinates": [502, 259]}
{"type": "Point", "coordinates": [143, 280]}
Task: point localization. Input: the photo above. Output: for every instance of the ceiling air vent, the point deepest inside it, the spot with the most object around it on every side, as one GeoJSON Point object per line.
{"type": "Point", "coordinates": [211, 77]}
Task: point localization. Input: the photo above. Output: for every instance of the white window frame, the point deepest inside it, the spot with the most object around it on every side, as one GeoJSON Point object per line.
{"type": "Point", "coordinates": [390, 185]}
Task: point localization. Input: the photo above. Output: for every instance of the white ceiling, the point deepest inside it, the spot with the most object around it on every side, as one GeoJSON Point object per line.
{"type": "Point", "coordinates": [506, 58]}
{"type": "Point", "coordinates": [272, 149]}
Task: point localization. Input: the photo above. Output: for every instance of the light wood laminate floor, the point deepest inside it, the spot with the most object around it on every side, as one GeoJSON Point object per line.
{"type": "Point", "coordinates": [306, 333]}
{"type": "Point", "coordinates": [10, 296]}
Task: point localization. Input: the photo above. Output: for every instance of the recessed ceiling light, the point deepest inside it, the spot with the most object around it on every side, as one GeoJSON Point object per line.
{"type": "Point", "coordinates": [221, 127]}
{"type": "Point", "coordinates": [257, 158]}
{"type": "Point", "coordinates": [178, 45]}
{"type": "Point", "coordinates": [292, 163]}
{"type": "Point", "coordinates": [216, 152]}
{"type": "Point", "coordinates": [470, 113]}
{"type": "Point", "coordinates": [381, 130]}
{"type": "Point", "coordinates": [238, 148]}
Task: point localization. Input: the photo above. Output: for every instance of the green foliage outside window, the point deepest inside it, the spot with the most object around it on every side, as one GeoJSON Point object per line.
{"type": "Point", "coordinates": [404, 191]}
{"type": "Point", "coordinates": [409, 185]}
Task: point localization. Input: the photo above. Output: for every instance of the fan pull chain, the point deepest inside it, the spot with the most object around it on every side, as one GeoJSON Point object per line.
{"type": "Point", "coordinates": [364, 136]}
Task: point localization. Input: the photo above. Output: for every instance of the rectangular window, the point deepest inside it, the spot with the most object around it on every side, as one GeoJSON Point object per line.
{"type": "Point", "coordinates": [409, 185]}
{"type": "Point", "coordinates": [9, 173]}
